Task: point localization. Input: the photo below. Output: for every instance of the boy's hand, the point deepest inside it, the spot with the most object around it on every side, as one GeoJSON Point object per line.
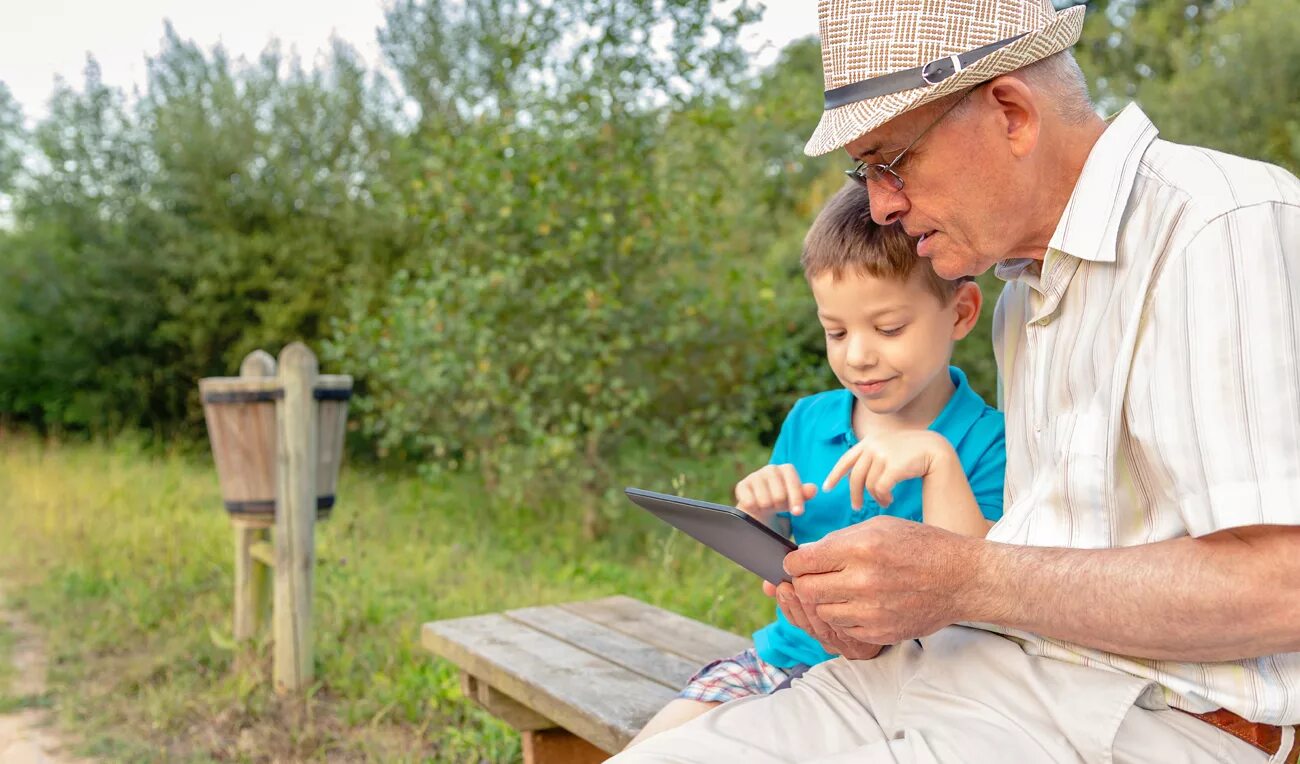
{"type": "Point", "coordinates": [878, 464]}
{"type": "Point", "coordinates": [774, 488]}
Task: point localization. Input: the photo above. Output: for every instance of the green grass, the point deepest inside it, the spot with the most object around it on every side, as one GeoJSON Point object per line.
{"type": "Point", "coordinates": [123, 558]}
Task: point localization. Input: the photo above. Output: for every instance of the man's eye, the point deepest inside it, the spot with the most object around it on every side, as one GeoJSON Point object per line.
{"type": "Point", "coordinates": [891, 331]}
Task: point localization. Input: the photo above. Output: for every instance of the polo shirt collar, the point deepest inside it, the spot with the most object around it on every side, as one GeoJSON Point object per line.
{"type": "Point", "coordinates": [961, 412]}
{"type": "Point", "coordinates": [964, 408]}
{"type": "Point", "coordinates": [1089, 225]}
{"type": "Point", "coordinates": [843, 423]}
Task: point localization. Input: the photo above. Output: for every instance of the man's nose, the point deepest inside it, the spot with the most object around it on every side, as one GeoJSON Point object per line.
{"type": "Point", "coordinates": [887, 203]}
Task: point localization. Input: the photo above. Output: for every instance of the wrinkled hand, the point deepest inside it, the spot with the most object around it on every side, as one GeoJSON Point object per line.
{"type": "Point", "coordinates": [879, 463]}
{"type": "Point", "coordinates": [771, 489]}
{"type": "Point", "coordinates": [883, 581]}
{"type": "Point", "coordinates": [831, 641]}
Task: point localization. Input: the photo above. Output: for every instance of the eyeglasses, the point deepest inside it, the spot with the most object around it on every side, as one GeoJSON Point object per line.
{"type": "Point", "coordinates": [867, 172]}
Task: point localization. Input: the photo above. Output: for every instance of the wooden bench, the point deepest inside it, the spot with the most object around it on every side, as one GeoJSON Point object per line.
{"type": "Point", "coordinates": [577, 680]}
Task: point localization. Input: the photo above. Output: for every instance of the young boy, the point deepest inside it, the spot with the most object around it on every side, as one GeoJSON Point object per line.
{"type": "Point", "coordinates": [903, 413]}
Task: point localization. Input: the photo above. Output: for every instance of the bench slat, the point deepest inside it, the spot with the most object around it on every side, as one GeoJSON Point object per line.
{"type": "Point", "coordinates": [550, 676]}
{"type": "Point", "coordinates": [630, 652]}
{"type": "Point", "coordinates": [698, 643]}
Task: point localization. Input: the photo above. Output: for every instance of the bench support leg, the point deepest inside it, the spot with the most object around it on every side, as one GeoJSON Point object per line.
{"type": "Point", "coordinates": [558, 746]}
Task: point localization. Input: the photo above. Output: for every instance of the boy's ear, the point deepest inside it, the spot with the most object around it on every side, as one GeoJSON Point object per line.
{"type": "Point", "coordinates": [967, 301]}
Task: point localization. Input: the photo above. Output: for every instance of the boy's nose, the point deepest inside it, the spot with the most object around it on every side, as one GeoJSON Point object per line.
{"type": "Point", "coordinates": [861, 355]}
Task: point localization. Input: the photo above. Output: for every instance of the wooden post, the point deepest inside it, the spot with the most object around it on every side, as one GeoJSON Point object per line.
{"type": "Point", "coordinates": [252, 584]}
{"type": "Point", "coordinates": [295, 518]}
{"type": "Point", "coordinates": [559, 746]}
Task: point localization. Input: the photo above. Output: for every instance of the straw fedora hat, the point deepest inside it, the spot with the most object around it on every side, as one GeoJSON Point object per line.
{"type": "Point", "coordinates": [884, 57]}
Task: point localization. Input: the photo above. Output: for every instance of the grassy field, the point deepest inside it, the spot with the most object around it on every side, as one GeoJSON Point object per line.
{"type": "Point", "coordinates": [123, 557]}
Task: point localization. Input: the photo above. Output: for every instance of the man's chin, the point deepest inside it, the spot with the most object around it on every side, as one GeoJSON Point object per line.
{"type": "Point", "coordinates": [952, 266]}
{"type": "Point", "coordinates": [946, 268]}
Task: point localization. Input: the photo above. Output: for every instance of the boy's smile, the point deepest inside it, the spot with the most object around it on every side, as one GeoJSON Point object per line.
{"type": "Point", "coordinates": [871, 388]}
{"type": "Point", "coordinates": [890, 341]}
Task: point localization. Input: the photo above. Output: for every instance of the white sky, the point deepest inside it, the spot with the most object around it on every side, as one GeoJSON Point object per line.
{"type": "Point", "coordinates": [40, 39]}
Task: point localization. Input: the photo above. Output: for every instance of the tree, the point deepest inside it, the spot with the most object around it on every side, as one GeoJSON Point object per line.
{"type": "Point", "coordinates": [12, 138]}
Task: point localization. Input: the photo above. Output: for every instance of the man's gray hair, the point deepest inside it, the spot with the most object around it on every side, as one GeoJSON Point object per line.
{"type": "Point", "coordinates": [1060, 76]}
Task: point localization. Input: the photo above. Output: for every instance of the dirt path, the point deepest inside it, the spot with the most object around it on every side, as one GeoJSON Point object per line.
{"type": "Point", "coordinates": [26, 736]}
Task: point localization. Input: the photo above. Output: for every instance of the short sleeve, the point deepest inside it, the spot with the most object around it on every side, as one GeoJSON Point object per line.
{"type": "Point", "coordinates": [781, 449]}
{"type": "Point", "coordinates": [987, 474]}
{"type": "Point", "coordinates": [1219, 400]}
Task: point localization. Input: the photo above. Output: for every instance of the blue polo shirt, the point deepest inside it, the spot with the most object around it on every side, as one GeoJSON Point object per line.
{"type": "Point", "coordinates": [817, 432]}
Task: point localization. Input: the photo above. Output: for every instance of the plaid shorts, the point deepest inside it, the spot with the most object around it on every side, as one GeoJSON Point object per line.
{"type": "Point", "coordinates": [736, 677]}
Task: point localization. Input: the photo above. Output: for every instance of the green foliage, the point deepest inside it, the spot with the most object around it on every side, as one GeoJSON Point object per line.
{"type": "Point", "coordinates": [11, 139]}
{"type": "Point", "coordinates": [586, 277]}
{"type": "Point", "coordinates": [1234, 85]}
{"type": "Point", "coordinates": [561, 230]}
{"type": "Point", "coordinates": [1128, 42]}
{"type": "Point", "coordinates": [165, 238]}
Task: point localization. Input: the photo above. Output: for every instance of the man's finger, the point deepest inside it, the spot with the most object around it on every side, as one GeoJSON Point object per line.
{"type": "Point", "coordinates": [810, 559]}
{"type": "Point", "coordinates": [789, 603]}
{"type": "Point", "coordinates": [816, 626]}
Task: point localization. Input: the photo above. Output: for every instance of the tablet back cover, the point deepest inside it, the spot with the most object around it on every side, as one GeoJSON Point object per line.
{"type": "Point", "coordinates": [727, 530]}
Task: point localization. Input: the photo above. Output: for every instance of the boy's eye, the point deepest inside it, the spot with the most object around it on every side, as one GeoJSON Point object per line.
{"type": "Point", "coordinates": [892, 331]}
{"type": "Point", "coordinates": [834, 334]}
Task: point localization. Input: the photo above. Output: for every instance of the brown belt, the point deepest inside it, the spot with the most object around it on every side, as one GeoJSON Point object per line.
{"type": "Point", "coordinates": [1265, 737]}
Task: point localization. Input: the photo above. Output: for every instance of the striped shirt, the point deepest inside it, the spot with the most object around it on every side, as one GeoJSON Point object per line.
{"type": "Point", "coordinates": [1150, 376]}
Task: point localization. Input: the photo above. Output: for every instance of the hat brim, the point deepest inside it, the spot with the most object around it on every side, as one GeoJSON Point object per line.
{"type": "Point", "coordinates": [841, 126]}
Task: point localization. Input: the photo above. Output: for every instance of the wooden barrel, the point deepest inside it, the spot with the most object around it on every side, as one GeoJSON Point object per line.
{"type": "Point", "coordinates": [240, 414]}
{"type": "Point", "coordinates": [332, 394]}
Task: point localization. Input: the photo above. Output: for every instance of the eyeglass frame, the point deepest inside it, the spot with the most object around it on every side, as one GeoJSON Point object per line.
{"type": "Point", "coordinates": [887, 170]}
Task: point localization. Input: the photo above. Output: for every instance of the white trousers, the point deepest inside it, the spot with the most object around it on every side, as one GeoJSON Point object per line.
{"type": "Point", "coordinates": [960, 695]}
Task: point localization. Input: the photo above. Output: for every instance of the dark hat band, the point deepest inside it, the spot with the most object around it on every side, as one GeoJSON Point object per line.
{"type": "Point", "coordinates": [932, 73]}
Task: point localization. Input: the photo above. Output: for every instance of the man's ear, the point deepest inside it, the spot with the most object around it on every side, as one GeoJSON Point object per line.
{"type": "Point", "coordinates": [1016, 108]}
{"type": "Point", "coordinates": [967, 301]}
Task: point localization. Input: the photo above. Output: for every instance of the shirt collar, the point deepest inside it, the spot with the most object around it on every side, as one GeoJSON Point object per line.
{"type": "Point", "coordinates": [954, 421]}
{"type": "Point", "coordinates": [962, 410]}
{"type": "Point", "coordinates": [1089, 225]}
{"type": "Point", "coordinates": [843, 429]}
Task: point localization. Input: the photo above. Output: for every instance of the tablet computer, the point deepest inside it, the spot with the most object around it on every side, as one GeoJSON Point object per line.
{"type": "Point", "coordinates": [727, 530]}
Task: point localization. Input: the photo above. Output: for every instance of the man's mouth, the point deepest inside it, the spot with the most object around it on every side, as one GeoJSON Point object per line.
{"type": "Point", "coordinates": [923, 242]}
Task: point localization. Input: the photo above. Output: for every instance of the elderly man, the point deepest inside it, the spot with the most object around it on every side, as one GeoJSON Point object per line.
{"type": "Point", "coordinates": [1140, 600]}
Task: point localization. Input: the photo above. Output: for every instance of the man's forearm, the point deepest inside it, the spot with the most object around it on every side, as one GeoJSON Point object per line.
{"type": "Point", "coordinates": [1232, 594]}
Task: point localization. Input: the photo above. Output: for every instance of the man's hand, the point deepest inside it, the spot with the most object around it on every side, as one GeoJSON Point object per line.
{"type": "Point", "coordinates": [771, 489]}
{"type": "Point", "coordinates": [879, 463]}
{"type": "Point", "coordinates": [830, 641]}
{"type": "Point", "coordinates": [883, 581]}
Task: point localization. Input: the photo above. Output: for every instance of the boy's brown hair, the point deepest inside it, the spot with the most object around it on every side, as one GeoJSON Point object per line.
{"type": "Point", "coordinates": [844, 239]}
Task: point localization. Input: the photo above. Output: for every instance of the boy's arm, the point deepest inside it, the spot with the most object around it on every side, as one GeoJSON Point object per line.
{"type": "Point", "coordinates": [947, 500]}
{"type": "Point", "coordinates": [880, 463]}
